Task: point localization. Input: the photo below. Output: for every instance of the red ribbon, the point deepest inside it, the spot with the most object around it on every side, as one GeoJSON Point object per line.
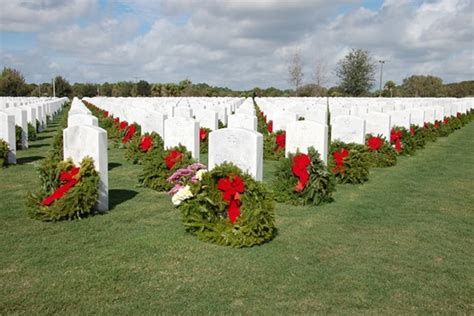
{"type": "Point", "coordinates": [105, 113]}
{"type": "Point", "coordinates": [270, 127]}
{"type": "Point", "coordinates": [116, 121]}
{"type": "Point", "coordinates": [446, 120]}
{"type": "Point", "coordinates": [339, 159]}
{"type": "Point", "coordinates": [396, 137]}
{"type": "Point", "coordinates": [123, 125]}
{"type": "Point", "coordinates": [300, 170]}
{"type": "Point", "coordinates": [202, 134]}
{"type": "Point", "coordinates": [374, 143]}
{"type": "Point", "coordinates": [436, 124]}
{"type": "Point", "coordinates": [280, 141]}
{"type": "Point", "coordinates": [231, 188]}
{"type": "Point", "coordinates": [130, 132]}
{"type": "Point", "coordinates": [412, 131]}
{"type": "Point", "coordinates": [172, 158]}
{"type": "Point", "coordinates": [68, 177]}
{"type": "Point", "coordinates": [146, 143]}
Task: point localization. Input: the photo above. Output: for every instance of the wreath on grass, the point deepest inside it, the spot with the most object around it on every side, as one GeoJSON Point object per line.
{"type": "Point", "coordinates": [204, 139]}
{"type": "Point", "coordinates": [303, 179]}
{"type": "Point", "coordinates": [350, 163]}
{"type": "Point", "coordinates": [403, 141]}
{"type": "Point", "coordinates": [18, 137]}
{"type": "Point", "coordinates": [4, 150]}
{"type": "Point", "coordinates": [418, 137]}
{"type": "Point", "coordinates": [141, 146]}
{"type": "Point", "coordinates": [274, 145]}
{"type": "Point", "coordinates": [158, 168]}
{"type": "Point", "coordinates": [261, 121]}
{"type": "Point", "coordinates": [67, 192]}
{"type": "Point", "coordinates": [32, 135]}
{"type": "Point", "coordinates": [382, 153]}
{"type": "Point", "coordinates": [429, 132]}
{"type": "Point", "coordinates": [225, 206]}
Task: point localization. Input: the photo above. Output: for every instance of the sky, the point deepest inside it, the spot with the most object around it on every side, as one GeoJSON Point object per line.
{"type": "Point", "coordinates": [240, 44]}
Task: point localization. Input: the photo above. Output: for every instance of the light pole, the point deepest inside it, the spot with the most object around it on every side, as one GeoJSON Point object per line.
{"type": "Point", "coordinates": [381, 74]}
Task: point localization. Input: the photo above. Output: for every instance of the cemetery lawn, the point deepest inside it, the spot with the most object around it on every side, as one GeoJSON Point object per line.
{"type": "Point", "coordinates": [402, 243]}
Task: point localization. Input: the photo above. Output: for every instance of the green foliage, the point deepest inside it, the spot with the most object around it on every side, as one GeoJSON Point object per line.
{"type": "Point", "coordinates": [204, 143]}
{"type": "Point", "coordinates": [408, 141]}
{"type": "Point", "coordinates": [383, 157]}
{"type": "Point", "coordinates": [423, 86]}
{"type": "Point", "coordinates": [220, 125]}
{"type": "Point", "coordinates": [135, 155]}
{"type": "Point", "coordinates": [62, 86]}
{"type": "Point", "coordinates": [356, 165]}
{"type": "Point", "coordinates": [31, 132]}
{"type": "Point", "coordinates": [4, 150]}
{"type": "Point", "coordinates": [429, 133]}
{"type": "Point", "coordinates": [419, 139]}
{"type": "Point", "coordinates": [76, 203]}
{"type": "Point", "coordinates": [18, 137]}
{"type": "Point", "coordinates": [356, 73]}
{"type": "Point", "coordinates": [318, 190]}
{"type": "Point", "coordinates": [39, 126]}
{"type": "Point", "coordinates": [155, 171]}
{"type": "Point", "coordinates": [269, 146]}
{"type": "Point", "coordinates": [205, 214]}
{"type": "Point", "coordinates": [12, 83]}
{"type": "Point", "coordinates": [261, 124]}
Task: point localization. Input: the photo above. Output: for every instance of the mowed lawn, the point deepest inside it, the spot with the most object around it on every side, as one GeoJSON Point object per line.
{"type": "Point", "coordinates": [402, 243]}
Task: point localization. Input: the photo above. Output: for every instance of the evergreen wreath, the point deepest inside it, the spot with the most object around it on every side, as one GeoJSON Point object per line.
{"type": "Point", "coordinates": [32, 135]}
{"type": "Point", "coordinates": [225, 206]}
{"type": "Point", "coordinates": [274, 145]}
{"type": "Point", "coordinates": [158, 168]}
{"type": "Point", "coordinates": [204, 139]}
{"type": "Point", "coordinates": [4, 150]}
{"type": "Point", "coordinates": [303, 179]}
{"type": "Point", "coordinates": [350, 163]}
{"type": "Point", "coordinates": [403, 141]}
{"type": "Point", "coordinates": [67, 192]}
{"type": "Point", "coordinates": [382, 153]}
{"type": "Point", "coordinates": [141, 146]}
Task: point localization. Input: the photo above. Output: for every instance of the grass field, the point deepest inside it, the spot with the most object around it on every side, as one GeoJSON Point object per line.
{"type": "Point", "coordinates": [402, 244]}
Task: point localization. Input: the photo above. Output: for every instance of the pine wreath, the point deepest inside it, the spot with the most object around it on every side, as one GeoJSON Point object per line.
{"type": "Point", "coordinates": [4, 150]}
{"type": "Point", "coordinates": [349, 162]}
{"type": "Point", "coordinates": [204, 139]}
{"type": "Point", "coordinates": [382, 153]}
{"type": "Point", "coordinates": [141, 146]}
{"type": "Point", "coordinates": [403, 141]}
{"type": "Point", "coordinates": [274, 145]}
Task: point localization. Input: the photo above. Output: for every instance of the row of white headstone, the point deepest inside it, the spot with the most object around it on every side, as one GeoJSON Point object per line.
{"type": "Point", "coordinates": [83, 137]}
{"type": "Point", "coordinates": [20, 112]}
{"type": "Point", "coordinates": [241, 144]}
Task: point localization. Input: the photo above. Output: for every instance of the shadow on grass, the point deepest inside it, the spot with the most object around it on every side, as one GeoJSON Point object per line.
{"type": "Point", "coordinates": [42, 137]}
{"type": "Point", "coordinates": [113, 165]}
{"type": "Point", "coordinates": [25, 160]}
{"type": "Point", "coordinates": [38, 145]}
{"type": "Point", "coordinates": [118, 196]}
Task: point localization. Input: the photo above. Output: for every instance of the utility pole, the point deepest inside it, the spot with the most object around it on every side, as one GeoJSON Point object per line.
{"type": "Point", "coordinates": [54, 87]}
{"type": "Point", "coordinates": [381, 74]}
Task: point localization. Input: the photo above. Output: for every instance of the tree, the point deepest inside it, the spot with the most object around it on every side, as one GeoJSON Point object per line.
{"type": "Point", "coordinates": [143, 88]}
{"type": "Point", "coordinates": [295, 70]}
{"type": "Point", "coordinates": [12, 83]}
{"type": "Point", "coordinates": [106, 89]}
{"type": "Point", "coordinates": [320, 78]}
{"type": "Point", "coordinates": [390, 85]}
{"type": "Point", "coordinates": [423, 86]}
{"type": "Point", "coordinates": [62, 86]}
{"type": "Point", "coordinates": [356, 73]}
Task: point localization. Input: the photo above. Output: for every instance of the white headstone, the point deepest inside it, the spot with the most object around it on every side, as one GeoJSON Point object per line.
{"type": "Point", "coordinates": [348, 129]}
{"type": "Point", "coordinates": [82, 141]}
{"type": "Point", "coordinates": [301, 135]}
{"type": "Point", "coordinates": [184, 131]}
{"type": "Point", "coordinates": [82, 119]}
{"type": "Point", "coordinates": [377, 123]}
{"type": "Point", "coordinates": [281, 119]}
{"type": "Point", "coordinates": [242, 121]}
{"type": "Point", "coordinates": [21, 119]}
{"type": "Point", "coordinates": [317, 115]}
{"type": "Point", "coordinates": [417, 116]}
{"type": "Point", "coordinates": [182, 111]}
{"type": "Point", "coordinates": [242, 147]}
{"type": "Point", "coordinates": [206, 118]}
{"type": "Point", "coordinates": [400, 119]}
{"type": "Point", "coordinates": [7, 133]}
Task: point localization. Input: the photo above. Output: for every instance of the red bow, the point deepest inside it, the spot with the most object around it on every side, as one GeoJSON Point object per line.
{"type": "Point", "coordinates": [425, 125]}
{"type": "Point", "coordinates": [280, 141]}
{"type": "Point", "coordinates": [270, 127]}
{"type": "Point", "coordinates": [202, 134]}
{"type": "Point", "coordinates": [436, 124]}
{"type": "Point", "coordinates": [105, 113]}
{"type": "Point", "coordinates": [146, 143]}
{"type": "Point", "coordinates": [374, 143]}
{"type": "Point", "coordinates": [130, 132]}
{"type": "Point", "coordinates": [116, 121]}
{"type": "Point", "coordinates": [396, 137]}
{"type": "Point", "coordinates": [412, 131]}
{"type": "Point", "coordinates": [300, 169]}
{"type": "Point", "coordinates": [339, 159]}
{"type": "Point", "coordinates": [123, 125]}
{"type": "Point", "coordinates": [231, 190]}
{"type": "Point", "coordinates": [68, 177]}
{"type": "Point", "coordinates": [446, 120]}
{"type": "Point", "coordinates": [173, 157]}
{"type": "Point", "coordinates": [458, 114]}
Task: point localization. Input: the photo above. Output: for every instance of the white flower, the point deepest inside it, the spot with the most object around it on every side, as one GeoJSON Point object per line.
{"type": "Point", "coordinates": [199, 174]}
{"type": "Point", "coordinates": [182, 194]}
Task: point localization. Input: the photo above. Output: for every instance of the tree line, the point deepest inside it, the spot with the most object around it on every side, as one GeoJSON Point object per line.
{"type": "Point", "coordinates": [356, 74]}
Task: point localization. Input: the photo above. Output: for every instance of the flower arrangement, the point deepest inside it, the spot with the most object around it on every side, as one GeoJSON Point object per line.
{"type": "Point", "coordinates": [157, 168]}
{"type": "Point", "coordinates": [274, 145]}
{"type": "Point", "coordinates": [349, 162]}
{"type": "Point", "coordinates": [204, 139]}
{"type": "Point", "coordinates": [141, 147]}
{"type": "Point", "coordinates": [303, 179]}
{"type": "Point", "coordinates": [382, 153]}
{"type": "Point", "coordinates": [67, 192]}
{"type": "Point", "coordinates": [224, 206]}
{"type": "Point", "coordinates": [4, 150]}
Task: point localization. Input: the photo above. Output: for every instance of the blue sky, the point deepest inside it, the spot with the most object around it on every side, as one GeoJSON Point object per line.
{"type": "Point", "coordinates": [240, 44]}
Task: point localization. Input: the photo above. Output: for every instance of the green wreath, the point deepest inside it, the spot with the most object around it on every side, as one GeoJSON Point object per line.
{"type": "Point", "coordinates": [4, 150]}
{"type": "Point", "coordinates": [270, 151]}
{"type": "Point", "coordinates": [382, 155]}
{"type": "Point", "coordinates": [319, 188]}
{"type": "Point", "coordinates": [134, 152]}
{"type": "Point", "coordinates": [204, 140]}
{"type": "Point", "coordinates": [355, 166]}
{"type": "Point", "coordinates": [32, 135]}
{"type": "Point", "coordinates": [76, 203]}
{"type": "Point", "coordinates": [205, 211]}
{"type": "Point", "coordinates": [155, 169]}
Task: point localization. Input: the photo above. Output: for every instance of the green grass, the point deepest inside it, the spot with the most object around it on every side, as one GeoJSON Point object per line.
{"type": "Point", "coordinates": [402, 243]}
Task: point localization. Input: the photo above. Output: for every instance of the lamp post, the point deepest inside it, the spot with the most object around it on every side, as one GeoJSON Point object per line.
{"type": "Point", "coordinates": [381, 74]}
